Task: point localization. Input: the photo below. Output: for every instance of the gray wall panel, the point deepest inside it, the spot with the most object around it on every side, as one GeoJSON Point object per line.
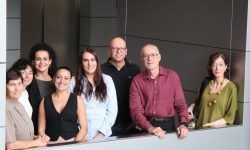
{"type": "Point", "coordinates": [97, 31]}
{"type": "Point", "coordinates": [13, 33]}
{"type": "Point", "coordinates": [13, 8]}
{"type": "Point", "coordinates": [12, 56]}
{"type": "Point", "coordinates": [102, 53]}
{"type": "Point", "coordinates": [98, 8]}
{"type": "Point", "coordinates": [188, 61]}
{"type": "Point", "coordinates": [190, 96]}
{"type": "Point", "coordinates": [237, 70]}
{"type": "Point", "coordinates": [60, 30]}
{"type": "Point", "coordinates": [239, 25]}
{"type": "Point", "coordinates": [85, 31]}
{"type": "Point", "coordinates": [121, 16]}
{"type": "Point", "coordinates": [103, 8]}
{"type": "Point", "coordinates": [239, 113]}
{"type": "Point", "coordinates": [31, 28]}
{"type": "Point", "coordinates": [198, 22]}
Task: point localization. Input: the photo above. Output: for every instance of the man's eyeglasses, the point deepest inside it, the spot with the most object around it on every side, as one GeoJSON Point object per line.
{"type": "Point", "coordinates": [145, 56]}
{"type": "Point", "coordinates": [116, 49]}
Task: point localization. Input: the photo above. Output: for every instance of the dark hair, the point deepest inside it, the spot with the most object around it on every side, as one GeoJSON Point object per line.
{"type": "Point", "coordinates": [100, 86]}
{"type": "Point", "coordinates": [13, 74]}
{"type": "Point", "coordinates": [52, 56]}
{"type": "Point", "coordinates": [21, 64]}
{"type": "Point", "coordinates": [65, 68]}
{"type": "Point", "coordinates": [212, 59]}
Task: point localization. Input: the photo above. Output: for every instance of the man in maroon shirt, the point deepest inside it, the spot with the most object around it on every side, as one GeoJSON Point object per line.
{"type": "Point", "coordinates": [156, 95]}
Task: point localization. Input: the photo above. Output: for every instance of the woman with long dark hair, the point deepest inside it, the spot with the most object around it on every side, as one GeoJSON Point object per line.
{"type": "Point", "coordinates": [98, 92]}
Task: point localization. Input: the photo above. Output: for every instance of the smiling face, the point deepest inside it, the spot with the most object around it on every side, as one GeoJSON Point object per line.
{"type": "Point", "coordinates": [117, 49]}
{"type": "Point", "coordinates": [62, 79]}
{"type": "Point", "coordinates": [218, 68]}
{"type": "Point", "coordinates": [42, 61]}
{"type": "Point", "coordinates": [14, 89]}
{"type": "Point", "coordinates": [89, 63]}
{"type": "Point", "coordinates": [150, 57]}
{"type": "Point", "coordinates": [27, 75]}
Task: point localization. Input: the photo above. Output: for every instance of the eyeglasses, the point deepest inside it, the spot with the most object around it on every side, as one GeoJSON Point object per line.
{"type": "Point", "coordinates": [145, 56]}
{"type": "Point", "coordinates": [116, 49]}
{"type": "Point", "coordinates": [218, 65]}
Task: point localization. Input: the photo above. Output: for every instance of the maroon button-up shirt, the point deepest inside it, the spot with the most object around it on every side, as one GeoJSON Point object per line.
{"type": "Point", "coordinates": [159, 97]}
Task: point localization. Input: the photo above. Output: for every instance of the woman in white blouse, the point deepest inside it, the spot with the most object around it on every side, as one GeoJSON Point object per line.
{"type": "Point", "coordinates": [99, 95]}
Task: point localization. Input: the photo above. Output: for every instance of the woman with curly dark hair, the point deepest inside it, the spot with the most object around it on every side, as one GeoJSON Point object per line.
{"type": "Point", "coordinates": [43, 60]}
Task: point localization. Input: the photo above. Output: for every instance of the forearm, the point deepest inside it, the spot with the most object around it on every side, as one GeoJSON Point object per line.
{"type": "Point", "coordinates": [81, 135]}
{"type": "Point", "coordinates": [218, 122]}
{"type": "Point", "coordinates": [21, 144]}
{"type": "Point", "coordinates": [221, 121]}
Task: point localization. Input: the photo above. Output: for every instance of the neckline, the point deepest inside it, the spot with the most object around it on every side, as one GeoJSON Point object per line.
{"type": "Point", "coordinates": [67, 103]}
{"type": "Point", "coordinates": [220, 90]}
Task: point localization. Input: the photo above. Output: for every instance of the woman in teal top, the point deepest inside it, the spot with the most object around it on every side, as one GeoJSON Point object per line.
{"type": "Point", "coordinates": [217, 103]}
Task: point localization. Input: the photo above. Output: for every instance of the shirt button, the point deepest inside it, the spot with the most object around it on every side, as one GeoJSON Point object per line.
{"type": "Point", "coordinates": [154, 112]}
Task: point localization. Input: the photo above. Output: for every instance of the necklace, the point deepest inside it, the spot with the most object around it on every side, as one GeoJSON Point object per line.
{"type": "Point", "coordinates": [214, 92]}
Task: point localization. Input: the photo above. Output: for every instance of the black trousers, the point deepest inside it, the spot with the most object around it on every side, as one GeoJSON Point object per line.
{"type": "Point", "coordinates": [121, 130]}
{"type": "Point", "coordinates": [166, 124]}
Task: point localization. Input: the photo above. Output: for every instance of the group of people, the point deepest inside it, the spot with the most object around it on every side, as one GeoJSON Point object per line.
{"type": "Point", "coordinates": [46, 104]}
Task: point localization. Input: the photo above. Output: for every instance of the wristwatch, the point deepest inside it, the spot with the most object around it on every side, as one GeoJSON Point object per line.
{"type": "Point", "coordinates": [184, 124]}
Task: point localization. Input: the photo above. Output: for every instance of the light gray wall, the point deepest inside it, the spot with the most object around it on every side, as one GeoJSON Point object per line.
{"type": "Point", "coordinates": [216, 139]}
{"type": "Point", "coordinates": [3, 21]}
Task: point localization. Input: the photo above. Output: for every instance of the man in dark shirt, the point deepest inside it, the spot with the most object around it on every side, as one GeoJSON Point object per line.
{"type": "Point", "coordinates": [122, 71]}
{"type": "Point", "coordinates": [156, 96]}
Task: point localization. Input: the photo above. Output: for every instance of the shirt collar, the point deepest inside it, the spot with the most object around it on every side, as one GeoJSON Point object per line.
{"type": "Point", "coordinates": [127, 62]}
{"type": "Point", "coordinates": [162, 72]}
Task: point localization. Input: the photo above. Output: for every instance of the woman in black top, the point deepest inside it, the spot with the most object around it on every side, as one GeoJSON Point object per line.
{"type": "Point", "coordinates": [43, 61]}
{"type": "Point", "coordinates": [60, 112]}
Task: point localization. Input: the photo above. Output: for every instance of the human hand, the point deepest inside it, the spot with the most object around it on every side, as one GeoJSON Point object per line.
{"type": "Point", "coordinates": [182, 131]}
{"type": "Point", "coordinates": [39, 141]}
{"type": "Point", "coordinates": [99, 135]}
{"type": "Point", "coordinates": [45, 138]}
{"type": "Point", "coordinates": [157, 131]}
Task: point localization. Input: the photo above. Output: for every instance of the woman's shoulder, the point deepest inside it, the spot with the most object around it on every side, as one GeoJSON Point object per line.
{"type": "Point", "coordinates": [106, 77]}
{"type": "Point", "coordinates": [231, 85]}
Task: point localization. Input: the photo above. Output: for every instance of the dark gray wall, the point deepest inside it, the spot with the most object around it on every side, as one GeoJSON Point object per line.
{"type": "Point", "coordinates": [187, 32]}
{"type": "Point", "coordinates": [54, 22]}
{"type": "Point", "coordinates": [98, 25]}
